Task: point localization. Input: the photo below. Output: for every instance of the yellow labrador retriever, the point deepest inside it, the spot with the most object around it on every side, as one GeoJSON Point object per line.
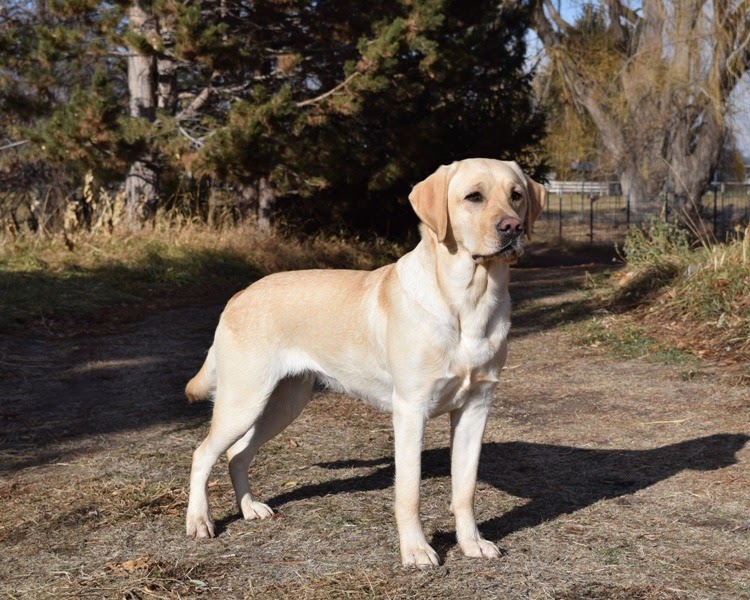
{"type": "Point", "coordinates": [419, 338]}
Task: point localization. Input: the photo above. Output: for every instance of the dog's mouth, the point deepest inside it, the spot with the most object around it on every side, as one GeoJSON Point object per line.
{"type": "Point", "coordinates": [510, 251]}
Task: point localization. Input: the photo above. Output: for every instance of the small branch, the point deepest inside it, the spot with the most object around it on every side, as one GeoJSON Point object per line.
{"type": "Point", "coordinates": [197, 103]}
{"type": "Point", "coordinates": [198, 143]}
{"type": "Point", "coordinates": [550, 38]}
{"type": "Point", "coordinates": [561, 23]}
{"type": "Point", "coordinates": [14, 145]}
{"type": "Point", "coordinates": [627, 12]}
{"type": "Point", "coordinates": [330, 92]}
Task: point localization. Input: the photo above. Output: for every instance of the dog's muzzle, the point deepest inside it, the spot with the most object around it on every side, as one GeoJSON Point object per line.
{"type": "Point", "coordinates": [510, 233]}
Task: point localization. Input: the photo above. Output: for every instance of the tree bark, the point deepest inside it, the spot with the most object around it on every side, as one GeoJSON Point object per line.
{"type": "Point", "coordinates": [257, 199]}
{"type": "Point", "coordinates": [141, 184]}
{"type": "Point", "coordinates": [266, 203]}
{"type": "Point", "coordinates": [166, 70]}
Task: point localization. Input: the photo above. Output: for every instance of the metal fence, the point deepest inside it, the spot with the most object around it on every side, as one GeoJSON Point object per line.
{"type": "Point", "coordinates": [597, 213]}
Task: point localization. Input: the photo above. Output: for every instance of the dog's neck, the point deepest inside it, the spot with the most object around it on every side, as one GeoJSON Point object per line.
{"type": "Point", "coordinates": [463, 282]}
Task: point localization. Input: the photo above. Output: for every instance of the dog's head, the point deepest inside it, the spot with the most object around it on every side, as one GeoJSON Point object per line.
{"type": "Point", "coordinates": [481, 205]}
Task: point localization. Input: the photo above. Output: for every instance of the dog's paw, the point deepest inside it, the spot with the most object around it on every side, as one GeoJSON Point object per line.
{"type": "Point", "coordinates": [480, 548]}
{"type": "Point", "coordinates": [255, 510]}
{"type": "Point", "coordinates": [200, 527]}
{"type": "Point", "coordinates": [420, 556]}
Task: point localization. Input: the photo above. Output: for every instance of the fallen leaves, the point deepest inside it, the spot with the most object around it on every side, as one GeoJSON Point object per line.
{"type": "Point", "coordinates": [142, 563]}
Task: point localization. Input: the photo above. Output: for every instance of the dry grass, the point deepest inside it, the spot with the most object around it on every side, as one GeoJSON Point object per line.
{"type": "Point", "coordinates": [46, 281]}
{"type": "Point", "coordinates": [694, 299]}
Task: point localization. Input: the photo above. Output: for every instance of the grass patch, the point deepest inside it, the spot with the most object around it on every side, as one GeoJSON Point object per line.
{"type": "Point", "coordinates": [692, 297]}
{"type": "Point", "coordinates": [45, 281]}
{"type": "Point", "coordinates": [632, 341]}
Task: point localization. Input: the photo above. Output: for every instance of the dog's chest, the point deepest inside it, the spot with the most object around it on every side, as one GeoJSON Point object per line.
{"type": "Point", "coordinates": [476, 356]}
{"type": "Point", "coordinates": [474, 360]}
{"type": "Point", "coordinates": [481, 333]}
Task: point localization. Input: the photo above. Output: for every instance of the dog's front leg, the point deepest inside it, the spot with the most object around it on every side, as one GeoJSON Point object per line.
{"type": "Point", "coordinates": [467, 430]}
{"type": "Point", "coordinates": [408, 426]}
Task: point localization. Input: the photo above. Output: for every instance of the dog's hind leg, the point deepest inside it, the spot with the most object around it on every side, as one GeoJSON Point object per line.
{"type": "Point", "coordinates": [239, 405]}
{"type": "Point", "coordinates": [284, 406]}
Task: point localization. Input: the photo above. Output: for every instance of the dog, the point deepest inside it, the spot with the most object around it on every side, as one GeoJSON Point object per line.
{"type": "Point", "coordinates": [419, 338]}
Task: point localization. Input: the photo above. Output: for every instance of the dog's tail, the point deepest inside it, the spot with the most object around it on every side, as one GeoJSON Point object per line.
{"type": "Point", "coordinates": [202, 385]}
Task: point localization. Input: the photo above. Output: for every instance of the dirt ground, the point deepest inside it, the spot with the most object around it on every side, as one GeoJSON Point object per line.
{"type": "Point", "coordinates": [600, 478]}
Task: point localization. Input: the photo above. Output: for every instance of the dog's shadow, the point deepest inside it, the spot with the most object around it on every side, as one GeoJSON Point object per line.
{"type": "Point", "coordinates": [556, 480]}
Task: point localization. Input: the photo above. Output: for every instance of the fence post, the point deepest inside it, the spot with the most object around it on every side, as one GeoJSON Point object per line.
{"type": "Point", "coordinates": [583, 208]}
{"type": "Point", "coordinates": [627, 209]}
{"type": "Point", "coordinates": [559, 218]}
{"type": "Point", "coordinates": [591, 221]}
{"type": "Point", "coordinates": [715, 192]}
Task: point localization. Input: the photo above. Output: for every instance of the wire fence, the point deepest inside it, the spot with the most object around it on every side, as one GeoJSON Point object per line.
{"type": "Point", "coordinates": [596, 213]}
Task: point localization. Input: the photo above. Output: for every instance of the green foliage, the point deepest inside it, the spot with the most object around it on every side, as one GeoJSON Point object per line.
{"type": "Point", "coordinates": [62, 90]}
{"type": "Point", "coordinates": [89, 133]}
{"type": "Point", "coordinates": [341, 106]}
{"type": "Point", "coordinates": [659, 243]}
{"type": "Point", "coordinates": [631, 341]}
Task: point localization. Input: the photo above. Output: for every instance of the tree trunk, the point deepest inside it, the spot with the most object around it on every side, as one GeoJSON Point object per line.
{"type": "Point", "coordinates": [641, 199]}
{"type": "Point", "coordinates": [141, 192]}
{"type": "Point", "coordinates": [141, 184]}
{"type": "Point", "coordinates": [166, 70]}
{"type": "Point", "coordinates": [257, 199]}
{"type": "Point", "coordinates": [266, 202]}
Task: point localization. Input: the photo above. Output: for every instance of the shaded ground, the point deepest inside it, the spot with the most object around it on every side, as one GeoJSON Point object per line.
{"type": "Point", "coordinates": [600, 478]}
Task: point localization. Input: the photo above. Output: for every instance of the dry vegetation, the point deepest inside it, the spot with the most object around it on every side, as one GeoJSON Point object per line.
{"type": "Point", "coordinates": [61, 280]}
{"type": "Point", "coordinates": [601, 477]}
{"type": "Point", "coordinates": [693, 298]}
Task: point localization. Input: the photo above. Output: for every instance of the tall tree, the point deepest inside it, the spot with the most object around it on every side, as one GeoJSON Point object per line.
{"type": "Point", "coordinates": [60, 87]}
{"type": "Point", "coordinates": [346, 105]}
{"type": "Point", "coordinates": [655, 83]}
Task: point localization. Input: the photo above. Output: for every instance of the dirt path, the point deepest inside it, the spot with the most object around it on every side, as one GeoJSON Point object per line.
{"type": "Point", "coordinates": [600, 478]}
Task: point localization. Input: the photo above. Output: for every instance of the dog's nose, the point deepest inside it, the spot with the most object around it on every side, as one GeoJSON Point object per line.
{"type": "Point", "coordinates": [510, 226]}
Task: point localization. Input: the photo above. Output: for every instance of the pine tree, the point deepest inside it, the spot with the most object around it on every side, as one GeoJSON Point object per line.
{"type": "Point", "coordinates": [334, 107]}
{"type": "Point", "coordinates": [60, 86]}
{"type": "Point", "coordinates": [344, 107]}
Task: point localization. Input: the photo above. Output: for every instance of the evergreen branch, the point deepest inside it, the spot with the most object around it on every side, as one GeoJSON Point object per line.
{"type": "Point", "coordinates": [200, 100]}
{"type": "Point", "coordinates": [330, 92]}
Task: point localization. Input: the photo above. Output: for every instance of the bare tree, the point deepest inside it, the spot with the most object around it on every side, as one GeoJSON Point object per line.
{"type": "Point", "coordinates": [655, 83]}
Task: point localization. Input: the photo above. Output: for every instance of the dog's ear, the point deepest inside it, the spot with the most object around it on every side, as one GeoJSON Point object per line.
{"type": "Point", "coordinates": [429, 198]}
{"type": "Point", "coordinates": [537, 200]}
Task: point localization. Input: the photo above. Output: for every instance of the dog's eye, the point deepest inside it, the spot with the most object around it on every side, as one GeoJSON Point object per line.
{"type": "Point", "coordinates": [474, 197]}
{"type": "Point", "coordinates": [516, 196]}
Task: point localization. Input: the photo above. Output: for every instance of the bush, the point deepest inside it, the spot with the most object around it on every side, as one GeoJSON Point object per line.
{"type": "Point", "coordinates": [697, 296]}
{"type": "Point", "coordinates": [661, 242]}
